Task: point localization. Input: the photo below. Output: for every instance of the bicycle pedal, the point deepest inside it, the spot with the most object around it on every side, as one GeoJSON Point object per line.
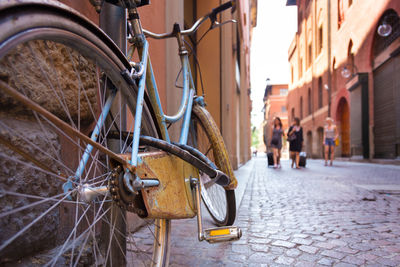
{"type": "Point", "coordinates": [222, 234]}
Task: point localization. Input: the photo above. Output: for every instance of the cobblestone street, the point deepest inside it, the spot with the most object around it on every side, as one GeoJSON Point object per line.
{"type": "Point", "coordinates": [318, 216]}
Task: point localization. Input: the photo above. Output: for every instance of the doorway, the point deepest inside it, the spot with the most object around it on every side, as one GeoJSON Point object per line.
{"type": "Point", "coordinates": [309, 144]}
{"type": "Point", "coordinates": [343, 127]}
{"type": "Point", "coordinates": [320, 147]}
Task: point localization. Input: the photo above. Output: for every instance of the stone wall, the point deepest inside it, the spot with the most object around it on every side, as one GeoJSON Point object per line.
{"type": "Point", "coordinates": [53, 76]}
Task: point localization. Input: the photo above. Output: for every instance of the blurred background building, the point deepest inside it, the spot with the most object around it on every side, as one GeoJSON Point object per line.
{"type": "Point", "coordinates": [274, 106]}
{"type": "Point", "coordinates": [224, 63]}
{"type": "Point", "coordinates": [344, 61]}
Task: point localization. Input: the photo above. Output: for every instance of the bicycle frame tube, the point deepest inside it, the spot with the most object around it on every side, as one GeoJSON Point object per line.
{"type": "Point", "coordinates": [184, 100]}
{"type": "Point", "coordinates": [185, 108]}
{"type": "Point", "coordinates": [86, 154]}
{"type": "Point", "coordinates": [95, 134]}
{"type": "Point", "coordinates": [139, 104]}
{"type": "Point", "coordinates": [187, 81]}
{"type": "Point", "coordinates": [155, 100]}
{"type": "Point", "coordinates": [148, 79]}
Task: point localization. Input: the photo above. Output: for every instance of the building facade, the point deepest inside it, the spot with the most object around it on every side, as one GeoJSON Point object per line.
{"type": "Point", "coordinates": [343, 68]}
{"type": "Point", "coordinates": [274, 106]}
{"type": "Point", "coordinates": [223, 72]}
{"type": "Point", "coordinates": [223, 69]}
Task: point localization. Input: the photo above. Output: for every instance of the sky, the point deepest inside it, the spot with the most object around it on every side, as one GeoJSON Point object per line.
{"type": "Point", "coordinates": [275, 30]}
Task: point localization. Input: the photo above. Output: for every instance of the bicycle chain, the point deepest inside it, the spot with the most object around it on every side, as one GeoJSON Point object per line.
{"type": "Point", "coordinates": [125, 200]}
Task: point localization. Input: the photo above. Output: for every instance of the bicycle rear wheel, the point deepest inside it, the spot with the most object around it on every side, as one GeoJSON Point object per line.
{"type": "Point", "coordinates": [69, 71]}
{"type": "Point", "coordinates": [206, 137]}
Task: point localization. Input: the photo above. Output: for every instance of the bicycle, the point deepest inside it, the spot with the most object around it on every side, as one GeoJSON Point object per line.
{"type": "Point", "coordinates": [84, 144]}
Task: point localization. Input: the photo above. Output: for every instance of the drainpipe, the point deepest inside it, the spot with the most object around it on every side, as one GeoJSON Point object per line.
{"type": "Point", "coordinates": [220, 78]}
{"type": "Point", "coordinates": [329, 59]}
{"type": "Point", "coordinates": [113, 22]}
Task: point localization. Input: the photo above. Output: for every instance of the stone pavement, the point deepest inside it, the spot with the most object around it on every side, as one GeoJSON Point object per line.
{"type": "Point", "coordinates": [318, 216]}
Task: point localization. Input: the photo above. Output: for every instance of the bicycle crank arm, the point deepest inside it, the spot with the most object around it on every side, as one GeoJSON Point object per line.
{"type": "Point", "coordinates": [134, 184]}
{"type": "Point", "coordinates": [217, 234]}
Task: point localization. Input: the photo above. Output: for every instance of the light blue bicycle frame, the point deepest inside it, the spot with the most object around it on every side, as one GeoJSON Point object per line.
{"type": "Point", "coordinates": [185, 108]}
{"type": "Point", "coordinates": [147, 80]}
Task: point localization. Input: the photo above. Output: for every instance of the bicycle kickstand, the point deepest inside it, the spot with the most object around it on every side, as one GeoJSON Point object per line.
{"type": "Point", "coordinates": [217, 234]}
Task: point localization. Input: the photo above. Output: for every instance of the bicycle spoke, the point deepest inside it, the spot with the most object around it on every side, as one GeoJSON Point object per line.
{"type": "Point", "coordinates": [67, 240]}
{"type": "Point", "coordinates": [61, 178]}
{"type": "Point", "coordinates": [55, 89]}
{"type": "Point", "coordinates": [213, 195]}
{"type": "Point", "coordinates": [43, 200]}
{"type": "Point", "coordinates": [19, 135]}
{"type": "Point", "coordinates": [20, 232]}
{"type": "Point", "coordinates": [208, 150]}
{"type": "Point", "coordinates": [81, 87]}
{"type": "Point", "coordinates": [61, 99]}
{"type": "Point", "coordinates": [49, 86]}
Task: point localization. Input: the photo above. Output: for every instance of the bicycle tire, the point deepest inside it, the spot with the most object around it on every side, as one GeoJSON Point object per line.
{"type": "Point", "coordinates": [206, 137]}
{"type": "Point", "coordinates": [40, 48]}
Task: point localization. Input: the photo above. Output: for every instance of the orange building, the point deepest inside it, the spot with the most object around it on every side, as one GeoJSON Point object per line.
{"type": "Point", "coordinates": [224, 60]}
{"type": "Point", "coordinates": [274, 106]}
{"type": "Point", "coordinates": [343, 68]}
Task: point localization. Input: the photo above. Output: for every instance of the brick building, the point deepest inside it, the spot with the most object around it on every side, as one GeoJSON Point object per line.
{"type": "Point", "coordinates": [274, 106]}
{"type": "Point", "coordinates": [341, 67]}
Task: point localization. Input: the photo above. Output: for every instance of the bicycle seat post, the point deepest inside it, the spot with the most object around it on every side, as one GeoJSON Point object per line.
{"type": "Point", "coordinates": [136, 27]}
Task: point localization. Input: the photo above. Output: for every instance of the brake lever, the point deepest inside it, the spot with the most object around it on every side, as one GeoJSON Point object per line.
{"type": "Point", "coordinates": [216, 24]}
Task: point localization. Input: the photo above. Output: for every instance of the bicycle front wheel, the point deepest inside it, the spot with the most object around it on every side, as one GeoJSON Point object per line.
{"type": "Point", "coordinates": [68, 71]}
{"type": "Point", "coordinates": [206, 137]}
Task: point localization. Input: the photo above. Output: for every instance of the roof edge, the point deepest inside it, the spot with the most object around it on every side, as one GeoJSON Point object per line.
{"type": "Point", "coordinates": [291, 2]}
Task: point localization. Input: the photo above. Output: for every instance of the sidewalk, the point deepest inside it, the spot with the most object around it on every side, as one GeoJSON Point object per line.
{"type": "Point", "coordinates": [375, 161]}
{"type": "Point", "coordinates": [242, 174]}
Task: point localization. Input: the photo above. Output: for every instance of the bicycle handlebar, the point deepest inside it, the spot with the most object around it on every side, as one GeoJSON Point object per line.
{"type": "Point", "coordinates": [212, 16]}
{"type": "Point", "coordinates": [215, 11]}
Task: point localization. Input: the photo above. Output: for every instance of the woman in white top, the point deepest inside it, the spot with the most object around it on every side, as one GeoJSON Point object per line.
{"type": "Point", "coordinates": [330, 136]}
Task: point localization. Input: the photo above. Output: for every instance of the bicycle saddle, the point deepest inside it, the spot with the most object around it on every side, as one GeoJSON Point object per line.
{"type": "Point", "coordinates": [139, 3]}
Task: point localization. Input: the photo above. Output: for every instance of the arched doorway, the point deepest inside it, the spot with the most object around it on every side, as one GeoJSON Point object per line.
{"type": "Point", "coordinates": [320, 147]}
{"type": "Point", "coordinates": [343, 126]}
{"type": "Point", "coordinates": [309, 144]}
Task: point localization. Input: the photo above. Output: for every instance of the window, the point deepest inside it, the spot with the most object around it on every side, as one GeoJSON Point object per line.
{"type": "Point", "coordinates": [292, 114]}
{"type": "Point", "coordinates": [334, 73]}
{"type": "Point", "coordinates": [309, 101]}
{"type": "Point", "coordinates": [320, 92]}
{"type": "Point", "coordinates": [320, 39]}
{"type": "Point", "coordinates": [340, 13]}
{"type": "Point", "coordinates": [300, 68]}
{"type": "Point", "coordinates": [350, 57]}
{"type": "Point", "coordinates": [299, 20]}
{"type": "Point", "coordinates": [283, 109]}
{"type": "Point", "coordinates": [301, 107]}
{"type": "Point", "coordinates": [238, 55]}
{"type": "Point", "coordinates": [291, 74]}
{"type": "Point", "coordinates": [309, 55]}
{"type": "Point", "coordinates": [283, 91]}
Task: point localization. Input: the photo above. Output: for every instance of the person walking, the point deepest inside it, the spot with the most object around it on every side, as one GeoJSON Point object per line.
{"type": "Point", "coordinates": [330, 136]}
{"type": "Point", "coordinates": [295, 138]}
{"type": "Point", "coordinates": [276, 141]}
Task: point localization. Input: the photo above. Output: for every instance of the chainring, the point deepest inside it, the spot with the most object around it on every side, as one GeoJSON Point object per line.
{"type": "Point", "coordinates": [123, 197]}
